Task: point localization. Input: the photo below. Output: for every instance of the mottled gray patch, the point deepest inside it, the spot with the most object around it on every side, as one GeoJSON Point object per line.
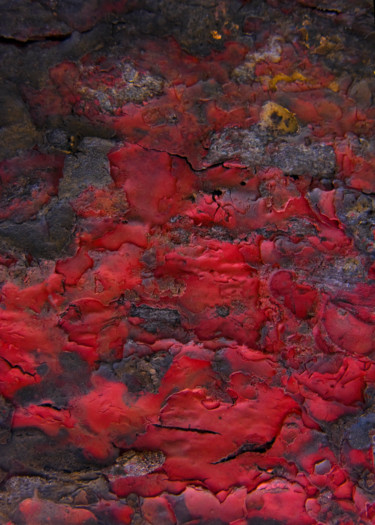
{"type": "Point", "coordinates": [136, 463]}
{"type": "Point", "coordinates": [164, 322]}
{"type": "Point", "coordinates": [32, 451]}
{"type": "Point", "coordinates": [48, 236]}
{"type": "Point", "coordinates": [88, 167]}
{"type": "Point", "coordinates": [155, 318]}
{"type": "Point", "coordinates": [357, 212]}
{"type": "Point", "coordinates": [253, 147]}
{"type": "Point", "coordinates": [143, 373]}
{"type": "Point", "coordinates": [317, 160]}
{"type": "Point", "coordinates": [140, 86]}
{"type": "Point", "coordinates": [17, 131]}
{"type": "Point", "coordinates": [242, 145]}
{"type": "Point", "coordinates": [5, 420]}
{"type": "Point", "coordinates": [358, 434]}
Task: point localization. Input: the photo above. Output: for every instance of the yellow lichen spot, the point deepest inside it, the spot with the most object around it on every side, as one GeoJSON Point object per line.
{"type": "Point", "coordinates": [351, 265]}
{"type": "Point", "coordinates": [304, 34]}
{"type": "Point", "coordinates": [333, 86]}
{"type": "Point", "coordinates": [327, 46]}
{"type": "Point", "coordinates": [281, 77]}
{"type": "Point", "coordinates": [277, 119]}
{"type": "Point", "coordinates": [216, 35]}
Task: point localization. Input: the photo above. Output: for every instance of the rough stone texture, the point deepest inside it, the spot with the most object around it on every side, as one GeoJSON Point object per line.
{"type": "Point", "coordinates": [357, 212]}
{"type": "Point", "coordinates": [5, 420]}
{"type": "Point", "coordinates": [47, 236]}
{"type": "Point", "coordinates": [17, 131]}
{"type": "Point", "coordinates": [143, 373]}
{"type": "Point", "coordinates": [245, 146]}
{"type": "Point", "coordinates": [249, 148]}
{"type": "Point", "coordinates": [88, 167]}
{"type": "Point", "coordinates": [187, 278]}
{"type": "Point", "coordinates": [317, 160]}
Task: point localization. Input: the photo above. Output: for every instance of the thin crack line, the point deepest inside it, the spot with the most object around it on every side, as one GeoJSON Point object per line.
{"type": "Point", "coordinates": [184, 429]}
{"type": "Point", "coordinates": [247, 447]}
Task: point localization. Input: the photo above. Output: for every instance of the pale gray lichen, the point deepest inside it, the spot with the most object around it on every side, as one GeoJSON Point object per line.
{"type": "Point", "coordinates": [136, 463]}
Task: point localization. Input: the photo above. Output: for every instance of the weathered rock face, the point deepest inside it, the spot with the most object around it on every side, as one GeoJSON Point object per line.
{"type": "Point", "coordinates": [187, 329]}
{"type": "Point", "coordinates": [252, 148]}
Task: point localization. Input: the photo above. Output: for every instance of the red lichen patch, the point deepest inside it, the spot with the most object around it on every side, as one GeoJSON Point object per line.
{"type": "Point", "coordinates": [275, 498]}
{"type": "Point", "coordinates": [35, 511]}
{"type": "Point", "coordinates": [154, 185]}
{"type": "Point", "coordinates": [299, 299]}
{"type": "Point", "coordinates": [347, 331]}
{"type": "Point", "coordinates": [72, 269]}
{"type": "Point", "coordinates": [101, 203]}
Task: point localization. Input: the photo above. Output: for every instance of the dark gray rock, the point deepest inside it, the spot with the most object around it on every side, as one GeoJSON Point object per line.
{"type": "Point", "coordinates": [358, 434]}
{"type": "Point", "coordinates": [317, 160]}
{"type": "Point", "coordinates": [253, 148]}
{"type": "Point", "coordinates": [356, 211]}
{"type": "Point", "coordinates": [6, 411]}
{"type": "Point", "coordinates": [155, 318]}
{"type": "Point", "coordinates": [29, 20]}
{"type": "Point", "coordinates": [59, 389]}
{"type": "Point", "coordinates": [88, 167]}
{"type": "Point", "coordinates": [143, 373]}
{"type": "Point", "coordinates": [245, 146]}
{"type": "Point", "coordinates": [17, 131]}
{"type": "Point", "coordinates": [46, 237]}
{"type": "Point", "coordinates": [30, 450]}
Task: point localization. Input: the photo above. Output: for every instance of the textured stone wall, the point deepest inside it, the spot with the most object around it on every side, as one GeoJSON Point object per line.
{"type": "Point", "coordinates": [187, 214]}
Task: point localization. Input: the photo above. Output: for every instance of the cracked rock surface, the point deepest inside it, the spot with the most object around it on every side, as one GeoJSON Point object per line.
{"type": "Point", "coordinates": [187, 275]}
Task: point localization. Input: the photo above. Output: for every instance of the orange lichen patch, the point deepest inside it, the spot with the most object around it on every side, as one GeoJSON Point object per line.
{"type": "Point", "coordinates": [216, 35]}
{"type": "Point", "coordinates": [328, 46]}
{"type": "Point", "coordinates": [334, 86]}
{"type": "Point", "coordinates": [282, 77]}
{"type": "Point", "coordinates": [277, 119]}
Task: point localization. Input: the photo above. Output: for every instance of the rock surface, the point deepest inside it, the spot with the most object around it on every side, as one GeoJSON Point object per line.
{"type": "Point", "coordinates": [187, 328]}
